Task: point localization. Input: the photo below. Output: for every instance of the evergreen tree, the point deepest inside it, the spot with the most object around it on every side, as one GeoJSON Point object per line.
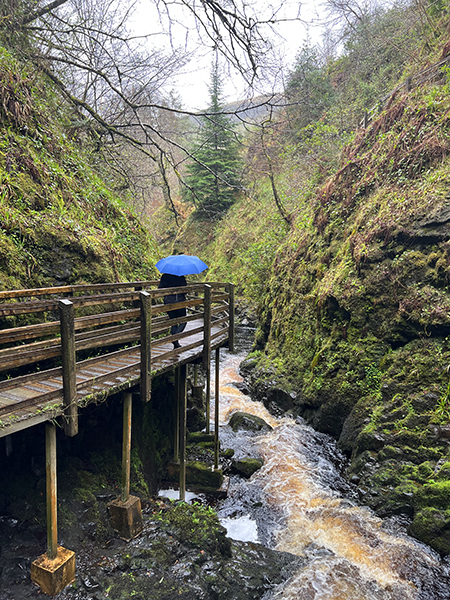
{"type": "Point", "coordinates": [214, 176]}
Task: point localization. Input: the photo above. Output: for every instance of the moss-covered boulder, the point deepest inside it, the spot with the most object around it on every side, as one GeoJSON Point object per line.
{"type": "Point", "coordinates": [199, 475]}
{"type": "Point", "coordinates": [432, 526]}
{"type": "Point", "coordinates": [246, 466]}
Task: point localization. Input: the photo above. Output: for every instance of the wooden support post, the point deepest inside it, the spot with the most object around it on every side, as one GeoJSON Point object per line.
{"type": "Point", "coordinates": [52, 503]}
{"type": "Point", "coordinates": [67, 328]}
{"type": "Point", "coordinates": [125, 512]}
{"type": "Point", "coordinates": [183, 408]}
{"type": "Point", "coordinates": [208, 399]}
{"type": "Point", "coordinates": [126, 446]}
{"type": "Point", "coordinates": [231, 322]}
{"type": "Point", "coordinates": [176, 443]}
{"type": "Point", "coordinates": [216, 412]}
{"type": "Point", "coordinates": [207, 350]}
{"type": "Point", "coordinates": [52, 571]}
{"type": "Point", "coordinates": [146, 352]}
{"type": "Point", "coordinates": [195, 375]}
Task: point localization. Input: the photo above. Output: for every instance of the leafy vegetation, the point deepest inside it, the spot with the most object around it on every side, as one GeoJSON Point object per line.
{"type": "Point", "coordinates": [59, 221]}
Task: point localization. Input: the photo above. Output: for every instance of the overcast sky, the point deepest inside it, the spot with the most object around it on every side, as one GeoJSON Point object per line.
{"type": "Point", "coordinates": [192, 85]}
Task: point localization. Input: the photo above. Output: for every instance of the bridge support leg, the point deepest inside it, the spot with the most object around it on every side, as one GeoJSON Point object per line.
{"type": "Point", "coordinates": [208, 399]}
{"type": "Point", "coordinates": [216, 412]}
{"type": "Point", "coordinates": [125, 512]}
{"type": "Point", "coordinates": [55, 569]}
{"type": "Point", "coordinates": [182, 399]}
{"type": "Point", "coordinates": [176, 441]}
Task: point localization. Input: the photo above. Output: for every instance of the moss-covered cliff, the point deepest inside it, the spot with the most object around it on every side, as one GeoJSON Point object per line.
{"type": "Point", "coordinates": [355, 321]}
{"type": "Point", "coordinates": [59, 220]}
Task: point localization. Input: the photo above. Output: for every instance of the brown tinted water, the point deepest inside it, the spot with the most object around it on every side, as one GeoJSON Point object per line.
{"type": "Point", "coordinates": [349, 552]}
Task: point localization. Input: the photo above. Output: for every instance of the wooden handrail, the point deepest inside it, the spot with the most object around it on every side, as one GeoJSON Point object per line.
{"type": "Point", "coordinates": [127, 326]}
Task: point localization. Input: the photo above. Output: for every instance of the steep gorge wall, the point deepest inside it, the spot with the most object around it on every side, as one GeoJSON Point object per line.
{"type": "Point", "coordinates": [60, 221]}
{"type": "Point", "coordinates": [355, 322]}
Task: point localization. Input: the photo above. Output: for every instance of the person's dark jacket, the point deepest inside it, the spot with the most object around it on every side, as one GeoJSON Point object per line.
{"type": "Point", "coordinates": [168, 281]}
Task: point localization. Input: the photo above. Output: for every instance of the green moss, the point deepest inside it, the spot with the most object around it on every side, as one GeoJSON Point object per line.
{"type": "Point", "coordinates": [197, 526]}
{"type": "Point", "coordinates": [433, 527]}
{"type": "Point", "coordinates": [435, 495]}
{"type": "Point", "coordinates": [444, 472]}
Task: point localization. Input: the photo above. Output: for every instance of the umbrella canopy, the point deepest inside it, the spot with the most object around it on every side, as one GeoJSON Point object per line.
{"type": "Point", "coordinates": [181, 264]}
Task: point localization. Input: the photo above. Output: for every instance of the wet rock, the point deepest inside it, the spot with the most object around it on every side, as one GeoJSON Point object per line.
{"type": "Point", "coordinates": [242, 387]}
{"type": "Point", "coordinates": [246, 466]}
{"type": "Point", "coordinates": [248, 422]}
{"type": "Point", "coordinates": [247, 366]}
{"type": "Point", "coordinates": [281, 398]}
{"type": "Point", "coordinates": [198, 474]}
{"type": "Point", "coordinates": [195, 418]}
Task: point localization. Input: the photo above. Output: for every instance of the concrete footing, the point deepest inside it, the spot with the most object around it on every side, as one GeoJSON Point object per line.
{"type": "Point", "coordinates": [126, 517]}
{"type": "Point", "coordinates": [53, 575]}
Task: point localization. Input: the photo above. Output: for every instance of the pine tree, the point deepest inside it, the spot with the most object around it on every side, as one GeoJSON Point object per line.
{"type": "Point", "coordinates": [214, 177]}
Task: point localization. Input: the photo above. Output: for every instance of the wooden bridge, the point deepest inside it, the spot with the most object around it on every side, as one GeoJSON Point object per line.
{"type": "Point", "coordinates": [63, 348]}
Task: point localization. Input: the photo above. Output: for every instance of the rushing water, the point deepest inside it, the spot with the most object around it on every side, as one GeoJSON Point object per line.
{"type": "Point", "coordinates": [299, 503]}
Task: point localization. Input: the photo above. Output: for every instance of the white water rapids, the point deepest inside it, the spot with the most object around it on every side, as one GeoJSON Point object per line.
{"type": "Point", "coordinates": [349, 552]}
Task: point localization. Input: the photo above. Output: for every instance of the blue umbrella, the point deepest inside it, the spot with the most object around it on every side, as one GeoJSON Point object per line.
{"type": "Point", "coordinates": [181, 264]}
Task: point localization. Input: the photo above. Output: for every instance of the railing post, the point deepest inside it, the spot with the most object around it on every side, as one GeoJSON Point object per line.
{"type": "Point", "coordinates": [52, 504]}
{"type": "Point", "coordinates": [146, 347]}
{"type": "Point", "coordinates": [183, 408]}
{"type": "Point", "coordinates": [67, 328]}
{"type": "Point", "coordinates": [207, 349]}
{"type": "Point", "coordinates": [216, 412]}
{"type": "Point", "coordinates": [126, 446]}
{"type": "Point", "coordinates": [231, 323]}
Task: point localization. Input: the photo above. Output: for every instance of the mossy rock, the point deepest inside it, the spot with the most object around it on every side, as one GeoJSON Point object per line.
{"type": "Point", "coordinates": [197, 526]}
{"type": "Point", "coordinates": [247, 466]}
{"type": "Point", "coordinates": [444, 472]}
{"type": "Point", "coordinates": [391, 452]}
{"type": "Point", "coordinates": [435, 495]}
{"type": "Point", "coordinates": [198, 475]}
{"type": "Point", "coordinates": [432, 526]}
{"type": "Point", "coordinates": [248, 422]}
{"type": "Point", "coordinates": [369, 440]}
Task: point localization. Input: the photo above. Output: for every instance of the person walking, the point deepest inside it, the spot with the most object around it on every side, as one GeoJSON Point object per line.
{"type": "Point", "coordinates": [168, 281]}
{"type": "Point", "coordinates": [174, 268]}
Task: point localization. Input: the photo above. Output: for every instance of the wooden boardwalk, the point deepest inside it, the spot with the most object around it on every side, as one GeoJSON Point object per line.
{"type": "Point", "coordinates": [41, 395]}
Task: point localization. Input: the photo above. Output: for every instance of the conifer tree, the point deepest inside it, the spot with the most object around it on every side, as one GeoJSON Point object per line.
{"type": "Point", "coordinates": [214, 176]}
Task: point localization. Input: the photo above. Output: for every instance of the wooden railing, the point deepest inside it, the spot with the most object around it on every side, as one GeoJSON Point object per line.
{"type": "Point", "coordinates": [53, 330]}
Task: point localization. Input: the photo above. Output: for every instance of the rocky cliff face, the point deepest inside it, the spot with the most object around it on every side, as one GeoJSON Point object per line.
{"type": "Point", "coordinates": [355, 323]}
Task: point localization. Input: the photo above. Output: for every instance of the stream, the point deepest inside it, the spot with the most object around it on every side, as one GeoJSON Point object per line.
{"type": "Point", "coordinates": [300, 503]}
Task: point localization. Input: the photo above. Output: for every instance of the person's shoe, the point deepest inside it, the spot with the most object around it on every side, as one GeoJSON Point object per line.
{"type": "Point", "coordinates": [177, 344]}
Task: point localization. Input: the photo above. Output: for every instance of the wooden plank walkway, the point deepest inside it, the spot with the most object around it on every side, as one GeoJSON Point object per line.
{"type": "Point", "coordinates": [40, 395]}
{"type": "Point", "coordinates": [29, 400]}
